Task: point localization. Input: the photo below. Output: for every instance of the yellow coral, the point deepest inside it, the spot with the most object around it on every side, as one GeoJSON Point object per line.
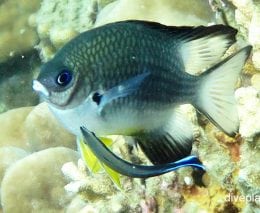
{"type": "Point", "coordinates": [212, 199]}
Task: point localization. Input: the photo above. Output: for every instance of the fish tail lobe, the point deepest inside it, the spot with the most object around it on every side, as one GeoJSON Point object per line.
{"type": "Point", "coordinates": [215, 97]}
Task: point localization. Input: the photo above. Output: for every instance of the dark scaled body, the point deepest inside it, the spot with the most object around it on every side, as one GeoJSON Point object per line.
{"type": "Point", "coordinates": [104, 57]}
{"type": "Point", "coordinates": [129, 77]}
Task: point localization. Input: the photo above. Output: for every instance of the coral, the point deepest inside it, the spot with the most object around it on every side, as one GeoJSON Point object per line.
{"type": "Point", "coordinates": [12, 132]}
{"type": "Point", "coordinates": [33, 129]}
{"type": "Point", "coordinates": [254, 34]}
{"type": "Point", "coordinates": [97, 193]}
{"type": "Point", "coordinates": [247, 15]}
{"type": "Point", "coordinates": [35, 183]}
{"type": "Point", "coordinates": [103, 3]}
{"type": "Point", "coordinates": [249, 112]}
{"type": "Point", "coordinates": [16, 36]}
{"type": "Point", "coordinates": [244, 16]}
{"type": "Point", "coordinates": [53, 181]}
{"type": "Point", "coordinates": [68, 19]}
{"type": "Point", "coordinates": [44, 131]}
{"type": "Point", "coordinates": [241, 174]}
{"type": "Point", "coordinates": [249, 174]}
{"type": "Point", "coordinates": [86, 185]}
{"type": "Point", "coordinates": [211, 199]}
{"type": "Point", "coordinates": [17, 73]}
{"type": "Point", "coordinates": [255, 81]}
{"type": "Point", "coordinates": [9, 155]}
{"type": "Point", "coordinates": [235, 178]}
{"type": "Point", "coordinates": [93, 194]}
{"type": "Point", "coordinates": [174, 12]}
{"type": "Point", "coordinates": [76, 205]}
{"type": "Point", "coordinates": [210, 149]}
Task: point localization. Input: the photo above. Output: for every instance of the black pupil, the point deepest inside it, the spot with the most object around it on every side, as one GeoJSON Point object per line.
{"type": "Point", "coordinates": [64, 78]}
{"type": "Point", "coordinates": [97, 97]}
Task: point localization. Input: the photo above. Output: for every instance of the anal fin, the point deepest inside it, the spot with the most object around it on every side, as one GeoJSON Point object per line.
{"type": "Point", "coordinates": [170, 143]}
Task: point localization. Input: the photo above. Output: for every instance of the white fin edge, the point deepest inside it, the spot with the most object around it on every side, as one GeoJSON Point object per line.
{"type": "Point", "coordinates": [180, 128]}
{"type": "Point", "coordinates": [204, 52]}
{"type": "Point", "coordinates": [216, 93]}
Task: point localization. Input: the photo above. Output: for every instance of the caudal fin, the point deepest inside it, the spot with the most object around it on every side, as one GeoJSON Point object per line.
{"type": "Point", "coordinates": [216, 91]}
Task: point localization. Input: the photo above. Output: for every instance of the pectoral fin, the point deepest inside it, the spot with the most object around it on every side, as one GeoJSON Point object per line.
{"type": "Point", "coordinates": [125, 88]}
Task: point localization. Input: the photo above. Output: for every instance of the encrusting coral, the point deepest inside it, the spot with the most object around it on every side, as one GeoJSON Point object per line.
{"type": "Point", "coordinates": [245, 16]}
{"type": "Point", "coordinates": [67, 19]}
{"type": "Point", "coordinates": [54, 185]}
{"type": "Point", "coordinates": [17, 55]}
{"type": "Point", "coordinates": [249, 112]}
{"type": "Point", "coordinates": [12, 132]}
{"type": "Point", "coordinates": [36, 184]}
{"type": "Point", "coordinates": [23, 131]}
{"type": "Point", "coordinates": [33, 129]}
{"type": "Point", "coordinates": [174, 12]}
{"type": "Point", "coordinates": [13, 77]}
{"type": "Point", "coordinates": [16, 36]}
{"type": "Point", "coordinates": [10, 155]}
{"type": "Point", "coordinates": [52, 133]}
{"type": "Point", "coordinates": [225, 158]}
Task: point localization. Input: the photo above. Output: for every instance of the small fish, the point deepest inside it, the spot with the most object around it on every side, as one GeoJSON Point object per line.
{"type": "Point", "coordinates": [133, 170]}
{"type": "Point", "coordinates": [128, 78]}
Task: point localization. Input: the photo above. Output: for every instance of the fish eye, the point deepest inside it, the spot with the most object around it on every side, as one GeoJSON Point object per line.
{"type": "Point", "coordinates": [64, 77]}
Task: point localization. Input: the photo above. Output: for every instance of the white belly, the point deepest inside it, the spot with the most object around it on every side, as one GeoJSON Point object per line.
{"type": "Point", "coordinates": [123, 122]}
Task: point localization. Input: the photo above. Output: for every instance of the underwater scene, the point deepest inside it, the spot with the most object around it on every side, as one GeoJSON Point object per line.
{"type": "Point", "coordinates": [139, 106]}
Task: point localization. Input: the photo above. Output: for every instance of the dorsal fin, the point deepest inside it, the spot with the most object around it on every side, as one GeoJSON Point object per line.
{"type": "Point", "coordinates": [204, 47]}
{"type": "Point", "coordinates": [199, 47]}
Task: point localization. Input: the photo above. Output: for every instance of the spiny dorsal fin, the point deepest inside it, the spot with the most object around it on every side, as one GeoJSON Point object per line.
{"type": "Point", "coordinates": [204, 46]}
{"type": "Point", "coordinates": [199, 47]}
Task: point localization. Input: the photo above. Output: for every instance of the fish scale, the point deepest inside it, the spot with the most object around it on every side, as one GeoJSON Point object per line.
{"type": "Point", "coordinates": [129, 78]}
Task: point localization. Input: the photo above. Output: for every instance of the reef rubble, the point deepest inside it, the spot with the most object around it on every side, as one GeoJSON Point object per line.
{"type": "Point", "coordinates": [40, 169]}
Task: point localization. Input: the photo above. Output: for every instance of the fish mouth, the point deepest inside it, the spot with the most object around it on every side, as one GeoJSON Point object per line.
{"type": "Point", "coordinates": [40, 88]}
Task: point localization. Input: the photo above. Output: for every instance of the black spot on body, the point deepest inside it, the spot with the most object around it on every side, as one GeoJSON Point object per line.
{"type": "Point", "coordinates": [97, 97]}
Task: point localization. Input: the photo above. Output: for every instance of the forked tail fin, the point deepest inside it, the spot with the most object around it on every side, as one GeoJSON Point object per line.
{"type": "Point", "coordinates": [215, 97]}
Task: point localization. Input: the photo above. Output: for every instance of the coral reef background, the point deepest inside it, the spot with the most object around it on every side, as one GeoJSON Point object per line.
{"type": "Point", "coordinates": [41, 170]}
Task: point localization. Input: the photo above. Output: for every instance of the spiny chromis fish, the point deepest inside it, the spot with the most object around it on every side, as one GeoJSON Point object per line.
{"type": "Point", "coordinates": [128, 78]}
